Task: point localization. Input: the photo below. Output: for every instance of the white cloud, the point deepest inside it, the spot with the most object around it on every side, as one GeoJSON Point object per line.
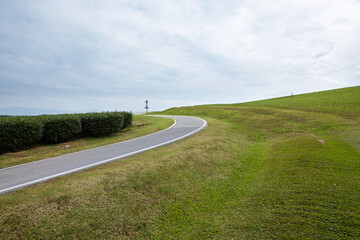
{"type": "Point", "coordinates": [175, 51]}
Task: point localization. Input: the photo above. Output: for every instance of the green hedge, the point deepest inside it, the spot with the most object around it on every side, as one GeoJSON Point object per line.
{"type": "Point", "coordinates": [101, 124]}
{"type": "Point", "coordinates": [17, 133]}
{"type": "Point", "coordinates": [128, 117]}
{"type": "Point", "coordinates": [60, 128]}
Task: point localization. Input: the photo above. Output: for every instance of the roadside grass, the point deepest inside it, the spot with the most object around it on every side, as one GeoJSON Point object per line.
{"type": "Point", "coordinates": [253, 173]}
{"type": "Point", "coordinates": [149, 125]}
{"type": "Point", "coordinates": [117, 200]}
{"type": "Point", "coordinates": [304, 179]}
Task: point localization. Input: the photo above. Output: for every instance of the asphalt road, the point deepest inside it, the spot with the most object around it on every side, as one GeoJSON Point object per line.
{"type": "Point", "coordinates": [24, 175]}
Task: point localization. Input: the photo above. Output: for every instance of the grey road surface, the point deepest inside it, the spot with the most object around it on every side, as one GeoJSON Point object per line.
{"type": "Point", "coordinates": [24, 175]}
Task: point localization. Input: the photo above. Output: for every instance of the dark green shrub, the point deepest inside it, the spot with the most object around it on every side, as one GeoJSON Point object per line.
{"type": "Point", "coordinates": [101, 124]}
{"type": "Point", "coordinates": [128, 116]}
{"type": "Point", "coordinates": [17, 133]}
{"type": "Point", "coordinates": [60, 128]}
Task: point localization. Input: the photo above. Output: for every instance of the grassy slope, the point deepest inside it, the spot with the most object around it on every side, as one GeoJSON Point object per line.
{"type": "Point", "coordinates": [255, 173]}
{"type": "Point", "coordinates": [343, 102]}
{"type": "Point", "coordinates": [150, 125]}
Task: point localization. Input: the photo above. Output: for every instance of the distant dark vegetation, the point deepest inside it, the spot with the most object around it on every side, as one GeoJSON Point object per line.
{"type": "Point", "coordinates": [21, 132]}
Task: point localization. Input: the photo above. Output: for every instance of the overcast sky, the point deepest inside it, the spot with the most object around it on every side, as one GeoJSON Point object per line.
{"type": "Point", "coordinates": [91, 55]}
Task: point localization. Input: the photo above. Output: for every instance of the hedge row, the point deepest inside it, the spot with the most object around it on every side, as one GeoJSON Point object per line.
{"type": "Point", "coordinates": [128, 117]}
{"type": "Point", "coordinates": [101, 124]}
{"type": "Point", "coordinates": [60, 128]}
{"type": "Point", "coordinates": [17, 133]}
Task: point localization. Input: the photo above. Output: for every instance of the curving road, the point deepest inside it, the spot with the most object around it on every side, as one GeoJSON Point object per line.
{"type": "Point", "coordinates": [24, 175]}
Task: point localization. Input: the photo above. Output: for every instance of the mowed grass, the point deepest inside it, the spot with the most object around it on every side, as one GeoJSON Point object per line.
{"type": "Point", "coordinates": [256, 172]}
{"type": "Point", "coordinates": [343, 102]}
{"type": "Point", "coordinates": [142, 125]}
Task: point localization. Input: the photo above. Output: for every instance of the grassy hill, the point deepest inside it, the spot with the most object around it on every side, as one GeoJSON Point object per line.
{"type": "Point", "coordinates": [343, 102]}
{"type": "Point", "coordinates": [285, 168]}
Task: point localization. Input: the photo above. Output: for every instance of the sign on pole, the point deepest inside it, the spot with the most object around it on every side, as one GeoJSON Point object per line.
{"type": "Point", "coordinates": [146, 107]}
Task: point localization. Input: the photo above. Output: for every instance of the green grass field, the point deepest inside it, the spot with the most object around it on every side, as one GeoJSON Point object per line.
{"type": "Point", "coordinates": [286, 168]}
{"type": "Point", "coordinates": [342, 102]}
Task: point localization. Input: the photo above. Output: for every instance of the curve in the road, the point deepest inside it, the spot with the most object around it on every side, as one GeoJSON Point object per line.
{"type": "Point", "coordinates": [24, 175]}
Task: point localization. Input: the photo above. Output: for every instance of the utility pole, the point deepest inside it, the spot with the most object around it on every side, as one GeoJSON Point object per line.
{"type": "Point", "coordinates": [147, 107]}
